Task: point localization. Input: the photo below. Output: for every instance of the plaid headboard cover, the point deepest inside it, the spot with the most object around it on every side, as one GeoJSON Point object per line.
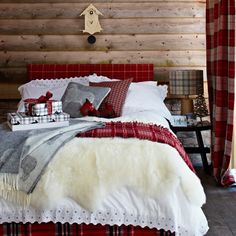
{"type": "Point", "coordinates": [139, 72]}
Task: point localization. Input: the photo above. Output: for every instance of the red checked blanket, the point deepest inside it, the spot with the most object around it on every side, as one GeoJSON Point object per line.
{"type": "Point", "coordinates": [138, 130]}
{"type": "Point", "coordinates": [49, 229]}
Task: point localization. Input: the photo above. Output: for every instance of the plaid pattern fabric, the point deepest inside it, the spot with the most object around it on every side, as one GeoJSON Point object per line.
{"type": "Point", "coordinates": [58, 229]}
{"type": "Point", "coordinates": [186, 82]}
{"type": "Point", "coordinates": [23, 119]}
{"type": "Point", "coordinates": [139, 72]}
{"type": "Point", "coordinates": [117, 95]}
{"type": "Point", "coordinates": [220, 30]}
{"type": "Point", "coordinates": [42, 109]}
{"type": "Point", "coordinates": [138, 130]}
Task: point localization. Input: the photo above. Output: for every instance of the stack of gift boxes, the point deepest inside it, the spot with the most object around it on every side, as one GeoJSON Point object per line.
{"type": "Point", "coordinates": [39, 113]}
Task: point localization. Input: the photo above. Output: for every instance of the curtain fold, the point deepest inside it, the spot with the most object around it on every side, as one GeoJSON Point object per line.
{"type": "Point", "coordinates": [220, 37]}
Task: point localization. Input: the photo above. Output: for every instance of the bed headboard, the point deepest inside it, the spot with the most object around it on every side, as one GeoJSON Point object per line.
{"type": "Point", "coordinates": [139, 72]}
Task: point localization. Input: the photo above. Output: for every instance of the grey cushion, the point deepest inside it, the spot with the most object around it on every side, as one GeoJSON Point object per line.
{"type": "Point", "coordinates": [76, 94]}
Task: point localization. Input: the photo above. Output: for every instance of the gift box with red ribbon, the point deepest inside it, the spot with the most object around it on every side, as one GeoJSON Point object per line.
{"type": "Point", "coordinates": [42, 106]}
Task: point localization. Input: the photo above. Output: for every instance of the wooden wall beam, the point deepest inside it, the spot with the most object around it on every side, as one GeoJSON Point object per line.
{"type": "Point", "coordinates": [110, 26]}
{"type": "Point", "coordinates": [98, 1]}
{"type": "Point", "coordinates": [9, 91]}
{"type": "Point", "coordinates": [109, 10]}
{"type": "Point", "coordinates": [158, 58]}
{"type": "Point", "coordinates": [157, 42]}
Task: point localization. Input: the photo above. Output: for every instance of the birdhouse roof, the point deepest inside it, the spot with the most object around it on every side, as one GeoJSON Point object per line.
{"type": "Point", "coordinates": [89, 8]}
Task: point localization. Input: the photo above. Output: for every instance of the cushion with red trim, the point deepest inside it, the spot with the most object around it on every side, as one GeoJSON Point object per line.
{"type": "Point", "coordinates": [116, 97]}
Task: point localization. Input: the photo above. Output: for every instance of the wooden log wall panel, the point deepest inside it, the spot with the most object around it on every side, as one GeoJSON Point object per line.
{"type": "Point", "coordinates": [159, 58]}
{"type": "Point", "coordinates": [110, 26]}
{"type": "Point", "coordinates": [134, 42]}
{"type": "Point", "coordinates": [9, 91]}
{"type": "Point", "coordinates": [99, 1]}
{"type": "Point", "coordinates": [109, 10]}
{"type": "Point", "coordinates": [168, 33]}
{"type": "Point", "coordinates": [13, 75]}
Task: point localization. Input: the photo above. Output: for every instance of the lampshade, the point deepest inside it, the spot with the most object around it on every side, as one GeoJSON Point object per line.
{"type": "Point", "coordinates": [186, 82]}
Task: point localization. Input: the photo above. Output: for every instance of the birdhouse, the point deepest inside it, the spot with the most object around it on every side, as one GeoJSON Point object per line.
{"type": "Point", "coordinates": [91, 21]}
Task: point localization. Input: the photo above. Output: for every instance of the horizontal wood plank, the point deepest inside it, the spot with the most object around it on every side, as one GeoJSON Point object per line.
{"type": "Point", "coordinates": [103, 42]}
{"type": "Point", "coordinates": [158, 58]}
{"type": "Point", "coordinates": [110, 26]}
{"type": "Point", "coordinates": [13, 75]}
{"type": "Point", "coordinates": [97, 1]}
{"type": "Point", "coordinates": [109, 10]}
{"type": "Point", "coordinates": [9, 91]}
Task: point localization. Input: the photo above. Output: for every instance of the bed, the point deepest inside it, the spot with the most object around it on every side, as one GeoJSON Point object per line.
{"type": "Point", "coordinates": [101, 196]}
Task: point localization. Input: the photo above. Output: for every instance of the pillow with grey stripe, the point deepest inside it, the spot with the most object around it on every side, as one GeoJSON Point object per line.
{"type": "Point", "coordinates": [76, 94]}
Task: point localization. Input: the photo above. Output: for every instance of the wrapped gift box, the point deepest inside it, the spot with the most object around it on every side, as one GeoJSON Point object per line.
{"type": "Point", "coordinates": [34, 108]}
{"type": "Point", "coordinates": [21, 121]}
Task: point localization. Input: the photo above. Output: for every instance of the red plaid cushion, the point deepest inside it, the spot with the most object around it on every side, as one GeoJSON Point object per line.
{"type": "Point", "coordinates": [117, 95]}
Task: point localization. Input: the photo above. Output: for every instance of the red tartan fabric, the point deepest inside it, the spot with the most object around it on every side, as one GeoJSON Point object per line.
{"type": "Point", "coordinates": [220, 30]}
{"type": "Point", "coordinates": [139, 72]}
{"type": "Point", "coordinates": [117, 95]}
{"type": "Point", "coordinates": [138, 130]}
{"type": "Point", "coordinates": [58, 229]}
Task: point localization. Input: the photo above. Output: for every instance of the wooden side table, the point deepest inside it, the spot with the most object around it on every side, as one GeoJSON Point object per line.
{"type": "Point", "coordinates": [201, 149]}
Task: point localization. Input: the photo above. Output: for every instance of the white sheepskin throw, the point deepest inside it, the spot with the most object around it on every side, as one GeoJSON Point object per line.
{"type": "Point", "coordinates": [89, 169]}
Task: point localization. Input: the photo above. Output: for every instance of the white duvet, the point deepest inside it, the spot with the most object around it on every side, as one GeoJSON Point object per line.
{"type": "Point", "coordinates": [119, 181]}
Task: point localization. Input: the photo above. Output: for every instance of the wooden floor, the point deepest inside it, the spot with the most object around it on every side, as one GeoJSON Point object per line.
{"type": "Point", "coordinates": [220, 208]}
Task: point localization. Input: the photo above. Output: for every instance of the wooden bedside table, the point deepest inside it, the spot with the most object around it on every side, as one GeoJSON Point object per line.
{"type": "Point", "coordinates": [201, 149]}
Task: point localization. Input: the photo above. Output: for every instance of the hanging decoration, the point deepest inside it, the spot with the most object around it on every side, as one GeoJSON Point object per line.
{"type": "Point", "coordinates": [91, 22]}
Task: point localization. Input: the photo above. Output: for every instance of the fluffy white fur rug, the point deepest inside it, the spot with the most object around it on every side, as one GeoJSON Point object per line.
{"type": "Point", "coordinates": [87, 170]}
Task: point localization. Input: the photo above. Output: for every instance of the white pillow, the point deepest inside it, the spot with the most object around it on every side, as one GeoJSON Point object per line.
{"type": "Point", "coordinates": [99, 78]}
{"type": "Point", "coordinates": [146, 96]}
{"type": "Point", "coordinates": [38, 87]}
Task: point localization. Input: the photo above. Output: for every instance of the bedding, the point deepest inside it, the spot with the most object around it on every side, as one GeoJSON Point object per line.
{"type": "Point", "coordinates": [76, 94]}
{"type": "Point", "coordinates": [117, 181]}
{"type": "Point", "coordinates": [116, 97]}
{"type": "Point", "coordinates": [57, 86]}
{"type": "Point", "coordinates": [144, 96]}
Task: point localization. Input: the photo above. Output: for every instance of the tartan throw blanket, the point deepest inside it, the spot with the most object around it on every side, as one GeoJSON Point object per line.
{"type": "Point", "coordinates": [49, 229]}
{"type": "Point", "coordinates": [139, 130]}
{"type": "Point", "coordinates": [24, 156]}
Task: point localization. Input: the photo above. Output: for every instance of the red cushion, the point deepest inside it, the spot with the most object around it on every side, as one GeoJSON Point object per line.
{"type": "Point", "coordinates": [117, 95]}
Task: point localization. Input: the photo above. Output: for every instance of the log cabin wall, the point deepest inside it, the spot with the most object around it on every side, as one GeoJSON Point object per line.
{"type": "Point", "coordinates": [169, 34]}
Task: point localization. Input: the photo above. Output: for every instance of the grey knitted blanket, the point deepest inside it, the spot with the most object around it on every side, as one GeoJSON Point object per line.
{"type": "Point", "coordinates": [24, 155]}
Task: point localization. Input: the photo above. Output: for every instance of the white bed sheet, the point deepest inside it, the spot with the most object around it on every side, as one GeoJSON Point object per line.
{"type": "Point", "coordinates": [123, 206]}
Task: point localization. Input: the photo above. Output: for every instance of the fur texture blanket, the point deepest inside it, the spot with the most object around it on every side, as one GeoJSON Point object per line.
{"type": "Point", "coordinates": [89, 170]}
{"type": "Point", "coordinates": [25, 154]}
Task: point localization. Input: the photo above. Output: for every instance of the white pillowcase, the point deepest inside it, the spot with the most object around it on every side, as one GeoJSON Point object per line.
{"type": "Point", "coordinates": [99, 78]}
{"type": "Point", "coordinates": [38, 87]}
{"type": "Point", "coordinates": [146, 96]}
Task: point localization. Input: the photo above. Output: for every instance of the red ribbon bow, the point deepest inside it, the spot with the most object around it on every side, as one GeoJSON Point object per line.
{"type": "Point", "coordinates": [42, 99]}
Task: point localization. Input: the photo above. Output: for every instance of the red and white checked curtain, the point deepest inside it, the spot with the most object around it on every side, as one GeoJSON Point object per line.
{"type": "Point", "coordinates": [220, 33]}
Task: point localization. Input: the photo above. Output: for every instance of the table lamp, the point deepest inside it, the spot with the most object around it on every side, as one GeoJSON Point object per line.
{"type": "Point", "coordinates": [186, 83]}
